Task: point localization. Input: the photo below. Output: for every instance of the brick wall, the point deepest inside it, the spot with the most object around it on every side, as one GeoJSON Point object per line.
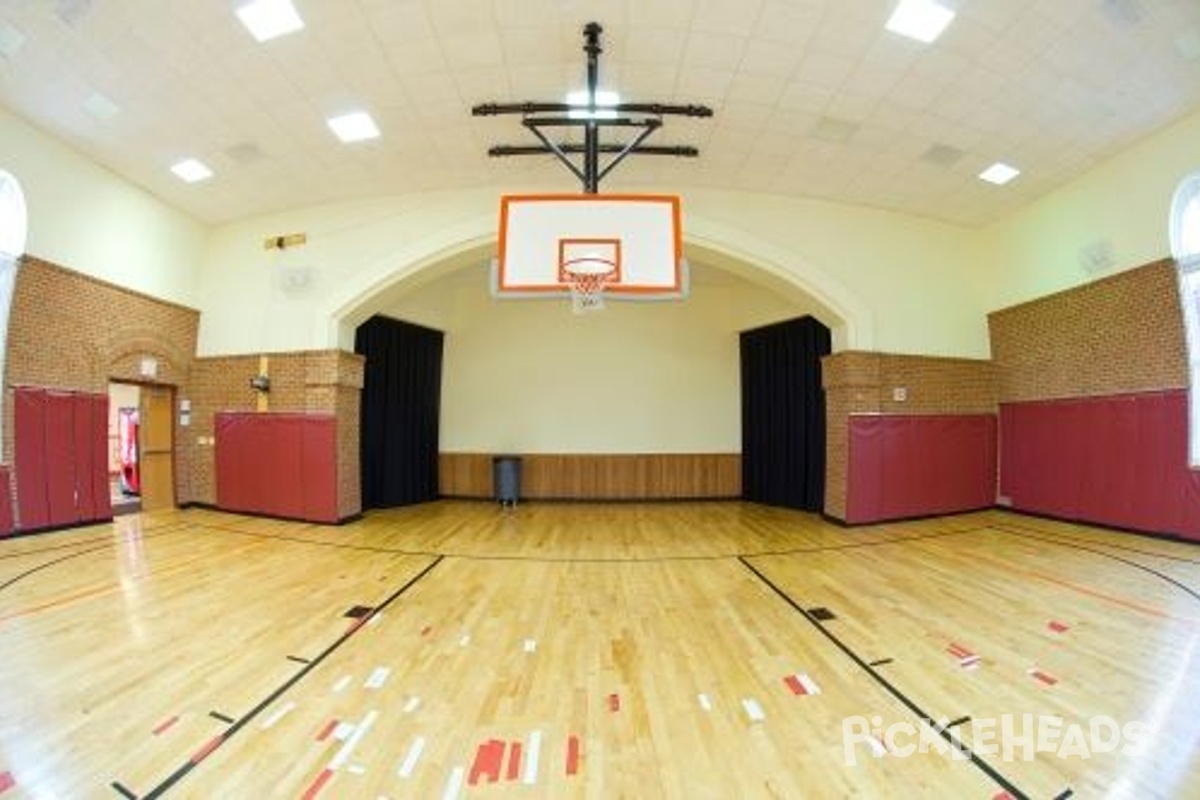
{"type": "Point", "coordinates": [1117, 335]}
{"type": "Point", "coordinates": [315, 382]}
{"type": "Point", "coordinates": [72, 331]}
{"type": "Point", "coordinates": [862, 383]}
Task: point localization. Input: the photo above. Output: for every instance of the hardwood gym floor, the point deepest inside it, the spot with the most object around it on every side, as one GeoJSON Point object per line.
{"type": "Point", "coordinates": [572, 650]}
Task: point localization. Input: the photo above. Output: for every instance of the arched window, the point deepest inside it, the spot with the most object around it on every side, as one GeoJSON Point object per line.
{"type": "Point", "coordinates": [13, 226]}
{"type": "Point", "coordinates": [1185, 248]}
{"type": "Point", "coordinates": [13, 222]}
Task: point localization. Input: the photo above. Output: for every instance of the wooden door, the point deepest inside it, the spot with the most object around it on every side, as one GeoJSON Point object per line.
{"type": "Point", "coordinates": [157, 446]}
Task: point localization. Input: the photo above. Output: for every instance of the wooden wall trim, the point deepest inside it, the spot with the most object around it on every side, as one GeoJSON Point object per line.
{"type": "Point", "coordinates": [635, 476]}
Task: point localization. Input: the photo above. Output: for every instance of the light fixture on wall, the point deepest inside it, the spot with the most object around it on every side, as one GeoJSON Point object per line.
{"type": "Point", "coordinates": [260, 383]}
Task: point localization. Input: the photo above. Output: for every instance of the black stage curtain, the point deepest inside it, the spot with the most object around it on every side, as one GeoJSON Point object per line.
{"type": "Point", "coordinates": [783, 414]}
{"type": "Point", "coordinates": [401, 400]}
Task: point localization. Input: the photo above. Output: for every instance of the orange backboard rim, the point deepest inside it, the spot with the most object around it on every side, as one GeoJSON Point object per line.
{"type": "Point", "coordinates": [503, 286]}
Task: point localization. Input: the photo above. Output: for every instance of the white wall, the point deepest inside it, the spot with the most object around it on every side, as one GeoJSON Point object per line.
{"type": "Point", "coordinates": [84, 217]}
{"type": "Point", "coordinates": [531, 376]}
{"type": "Point", "coordinates": [1123, 202]}
{"type": "Point", "coordinates": [880, 273]}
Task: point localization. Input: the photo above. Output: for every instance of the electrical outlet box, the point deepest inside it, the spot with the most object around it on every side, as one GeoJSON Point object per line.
{"type": "Point", "coordinates": [900, 394]}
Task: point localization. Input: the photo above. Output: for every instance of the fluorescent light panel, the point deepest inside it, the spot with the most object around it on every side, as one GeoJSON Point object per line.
{"type": "Point", "coordinates": [999, 173]}
{"type": "Point", "coordinates": [192, 170]}
{"type": "Point", "coordinates": [266, 19]}
{"type": "Point", "coordinates": [923, 20]}
{"type": "Point", "coordinates": [604, 102]}
{"type": "Point", "coordinates": [353, 127]}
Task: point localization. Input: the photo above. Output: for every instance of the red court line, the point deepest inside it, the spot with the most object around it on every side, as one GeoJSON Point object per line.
{"type": "Point", "coordinates": [205, 751]}
{"type": "Point", "coordinates": [488, 758]}
{"type": "Point", "coordinates": [614, 702]}
{"type": "Point", "coordinates": [327, 730]}
{"type": "Point", "coordinates": [514, 761]}
{"type": "Point", "coordinates": [1132, 605]}
{"type": "Point", "coordinates": [164, 726]}
{"type": "Point", "coordinates": [572, 755]}
{"type": "Point", "coordinates": [1058, 627]}
{"type": "Point", "coordinates": [318, 784]}
{"type": "Point", "coordinates": [7, 781]}
{"type": "Point", "coordinates": [1044, 677]}
{"type": "Point", "coordinates": [793, 683]}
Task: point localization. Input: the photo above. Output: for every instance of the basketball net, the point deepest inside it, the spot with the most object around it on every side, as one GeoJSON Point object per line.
{"type": "Point", "coordinates": [588, 278]}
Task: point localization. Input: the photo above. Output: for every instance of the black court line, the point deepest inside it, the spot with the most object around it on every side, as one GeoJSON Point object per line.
{"type": "Point", "coordinates": [221, 717]}
{"type": "Point", "coordinates": [599, 560]}
{"type": "Point", "coordinates": [180, 773]}
{"type": "Point", "coordinates": [1065, 794]}
{"type": "Point", "coordinates": [891, 689]}
{"type": "Point", "coordinates": [881, 662]}
{"type": "Point", "coordinates": [106, 546]}
{"type": "Point", "coordinates": [108, 537]}
{"type": "Point", "coordinates": [298, 659]}
{"type": "Point", "coordinates": [954, 723]}
{"type": "Point", "coordinates": [1150, 570]}
{"type": "Point", "coordinates": [123, 791]}
{"type": "Point", "coordinates": [1165, 556]}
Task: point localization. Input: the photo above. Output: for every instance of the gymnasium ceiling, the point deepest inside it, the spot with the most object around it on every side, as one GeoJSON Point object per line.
{"type": "Point", "coordinates": [812, 98]}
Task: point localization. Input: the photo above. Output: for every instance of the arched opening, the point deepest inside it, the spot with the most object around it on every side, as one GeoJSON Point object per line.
{"type": "Point", "coordinates": [529, 376]}
{"type": "Point", "coordinates": [1185, 248]}
{"type": "Point", "coordinates": [14, 225]}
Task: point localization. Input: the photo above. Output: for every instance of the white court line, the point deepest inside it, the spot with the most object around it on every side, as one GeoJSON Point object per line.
{"type": "Point", "coordinates": [340, 757]}
{"type": "Point", "coordinates": [753, 709]}
{"type": "Point", "coordinates": [412, 705]}
{"type": "Point", "coordinates": [530, 645]}
{"type": "Point", "coordinates": [341, 685]}
{"type": "Point", "coordinates": [410, 760]}
{"type": "Point", "coordinates": [279, 714]}
{"type": "Point", "coordinates": [705, 703]}
{"type": "Point", "coordinates": [356, 769]}
{"type": "Point", "coordinates": [342, 731]}
{"type": "Point", "coordinates": [454, 785]}
{"type": "Point", "coordinates": [531, 758]}
{"type": "Point", "coordinates": [809, 684]}
{"type": "Point", "coordinates": [378, 678]}
{"type": "Point", "coordinates": [465, 640]}
{"type": "Point", "coordinates": [375, 619]}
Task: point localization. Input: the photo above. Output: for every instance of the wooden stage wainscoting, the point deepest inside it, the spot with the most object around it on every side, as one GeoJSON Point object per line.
{"type": "Point", "coordinates": [577, 476]}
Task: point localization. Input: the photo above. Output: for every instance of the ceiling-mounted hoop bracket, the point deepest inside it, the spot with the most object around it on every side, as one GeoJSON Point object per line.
{"type": "Point", "coordinates": [537, 116]}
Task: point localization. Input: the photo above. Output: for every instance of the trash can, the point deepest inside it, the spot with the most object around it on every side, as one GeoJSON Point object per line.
{"type": "Point", "coordinates": [506, 479]}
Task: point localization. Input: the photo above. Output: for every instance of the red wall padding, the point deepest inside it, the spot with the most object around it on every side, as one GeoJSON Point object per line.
{"type": "Point", "coordinates": [6, 515]}
{"type": "Point", "coordinates": [61, 457]}
{"type": "Point", "coordinates": [911, 466]}
{"type": "Point", "coordinates": [1118, 461]}
{"type": "Point", "coordinates": [29, 419]}
{"type": "Point", "coordinates": [284, 465]}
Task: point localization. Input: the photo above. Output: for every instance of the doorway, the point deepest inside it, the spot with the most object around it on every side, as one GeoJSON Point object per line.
{"type": "Point", "coordinates": [141, 446]}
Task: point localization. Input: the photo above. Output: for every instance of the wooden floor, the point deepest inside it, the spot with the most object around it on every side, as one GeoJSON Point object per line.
{"type": "Point", "coordinates": [604, 651]}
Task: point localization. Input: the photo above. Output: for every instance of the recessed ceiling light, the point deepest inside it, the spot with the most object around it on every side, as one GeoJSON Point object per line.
{"type": "Point", "coordinates": [100, 107]}
{"type": "Point", "coordinates": [604, 102]}
{"type": "Point", "coordinates": [999, 173]}
{"type": "Point", "coordinates": [266, 19]}
{"type": "Point", "coordinates": [11, 40]}
{"type": "Point", "coordinates": [353, 127]}
{"type": "Point", "coordinates": [923, 20]}
{"type": "Point", "coordinates": [192, 170]}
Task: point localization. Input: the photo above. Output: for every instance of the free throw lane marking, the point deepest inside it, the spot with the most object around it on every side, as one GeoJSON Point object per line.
{"type": "Point", "coordinates": [279, 714]}
{"type": "Point", "coordinates": [753, 709]}
{"type": "Point", "coordinates": [454, 784]}
{"type": "Point", "coordinates": [531, 760]}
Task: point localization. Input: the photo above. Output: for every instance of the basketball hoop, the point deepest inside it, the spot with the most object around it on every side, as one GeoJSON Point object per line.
{"type": "Point", "coordinates": [587, 277]}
